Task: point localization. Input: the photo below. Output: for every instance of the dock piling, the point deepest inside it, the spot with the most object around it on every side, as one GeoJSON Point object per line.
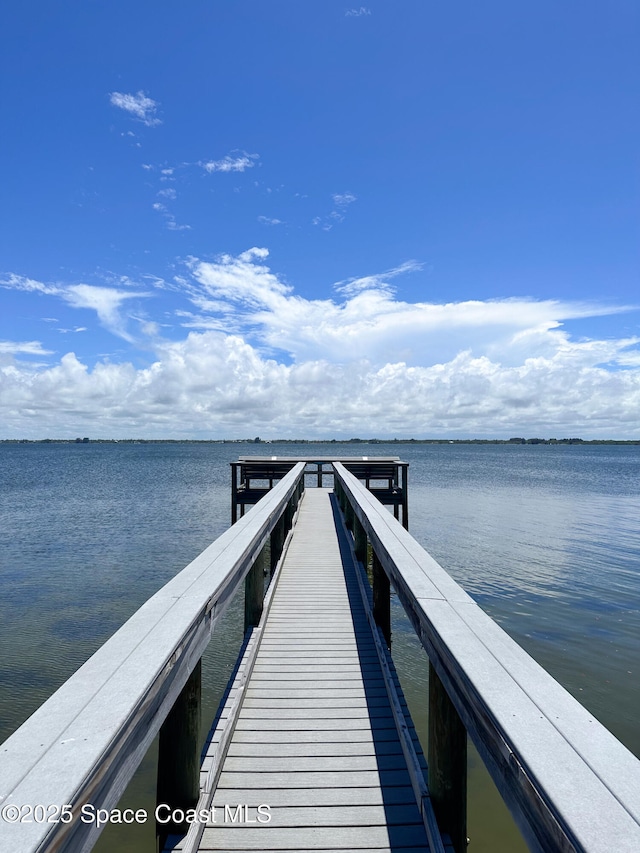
{"type": "Point", "coordinates": [179, 754]}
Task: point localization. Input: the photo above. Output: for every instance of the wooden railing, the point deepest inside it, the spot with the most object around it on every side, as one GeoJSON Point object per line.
{"type": "Point", "coordinates": [568, 782]}
{"type": "Point", "coordinates": [80, 749]}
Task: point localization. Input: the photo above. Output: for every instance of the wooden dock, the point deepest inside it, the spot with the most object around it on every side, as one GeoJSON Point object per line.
{"type": "Point", "coordinates": [315, 739]}
{"type": "Point", "coordinates": [314, 728]}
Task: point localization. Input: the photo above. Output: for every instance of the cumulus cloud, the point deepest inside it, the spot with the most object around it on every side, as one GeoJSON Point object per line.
{"type": "Point", "coordinates": [369, 322]}
{"type": "Point", "coordinates": [259, 358]}
{"type": "Point", "coordinates": [140, 106]}
{"type": "Point", "coordinates": [216, 384]}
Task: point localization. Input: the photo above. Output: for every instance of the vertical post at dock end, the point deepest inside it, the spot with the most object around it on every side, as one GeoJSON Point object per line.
{"type": "Point", "coordinates": [179, 755]}
{"type": "Point", "coordinates": [447, 761]}
{"type": "Point", "coordinates": [405, 496]}
{"type": "Point", "coordinates": [234, 493]}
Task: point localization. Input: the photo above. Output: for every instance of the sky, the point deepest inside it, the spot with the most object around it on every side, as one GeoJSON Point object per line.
{"type": "Point", "coordinates": [314, 220]}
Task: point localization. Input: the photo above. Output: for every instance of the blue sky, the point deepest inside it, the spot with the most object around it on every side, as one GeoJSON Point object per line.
{"type": "Point", "coordinates": [290, 219]}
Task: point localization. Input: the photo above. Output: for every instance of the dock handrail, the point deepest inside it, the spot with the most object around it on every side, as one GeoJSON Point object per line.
{"type": "Point", "coordinates": [84, 743]}
{"type": "Point", "coordinates": [568, 782]}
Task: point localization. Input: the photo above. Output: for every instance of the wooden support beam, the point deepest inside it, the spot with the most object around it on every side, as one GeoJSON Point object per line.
{"type": "Point", "coordinates": [179, 754]}
{"type": "Point", "coordinates": [405, 496]}
{"type": "Point", "coordinates": [382, 599]}
{"type": "Point", "coordinates": [277, 542]}
{"type": "Point", "coordinates": [349, 516]}
{"type": "Point", "coordinates": [447, 760]}
{"type": "Point", "coordinates": [234, 493]}
{"type": "Point", "coordinates": [254, 592]}
{"type": "Point", "coordinates": [360, 541]}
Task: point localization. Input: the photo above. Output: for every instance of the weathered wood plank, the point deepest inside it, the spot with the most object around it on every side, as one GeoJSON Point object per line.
{"type": "Point", "coordinates": [315, 797]}
{"type": "Point", "coordinates": [315, 749]}
{"type": "Point", "coordinates": [341, 735]}
{"type": "Point", "coordinates": [305, 763]}
{"type": "Point", "coordinates": [310, 838]}
{"type": "Point", "coordinates": [323, 719]}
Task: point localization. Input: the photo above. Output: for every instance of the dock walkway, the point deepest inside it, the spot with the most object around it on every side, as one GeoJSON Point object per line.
{"type": "Point", "coordinates": [315, 738]}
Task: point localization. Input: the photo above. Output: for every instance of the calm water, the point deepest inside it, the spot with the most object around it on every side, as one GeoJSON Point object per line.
{"type": "Point", "coordinates": [547, 539]}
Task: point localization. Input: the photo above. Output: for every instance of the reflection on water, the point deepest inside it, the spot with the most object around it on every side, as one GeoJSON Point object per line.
{"type": "Point", "coordinates": [545, 538]}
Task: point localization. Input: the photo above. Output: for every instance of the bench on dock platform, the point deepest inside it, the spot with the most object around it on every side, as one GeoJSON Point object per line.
{"type": "Point", "coordinates": [385, 476]}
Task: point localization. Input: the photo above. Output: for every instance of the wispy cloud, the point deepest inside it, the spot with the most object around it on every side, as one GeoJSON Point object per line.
{"type": "Point", "coordinates": [105, 301]}
{"type": "Point", "coordinates": [170, 221]}
{"type": "Point", "coordinates": [23, 347]}
{"type": "Point", "coordinates": [341, 202]}
{"type": "Point", "coordinates": [379, 281]}
{"type": "Point", "coordinates": [235, 162]}
{"type": "Point", "coordinates": [140, 106]}
{"type": "Point", "coordinates": [267, 220]}
{"type": "Point", "coordinates": [357, 13]}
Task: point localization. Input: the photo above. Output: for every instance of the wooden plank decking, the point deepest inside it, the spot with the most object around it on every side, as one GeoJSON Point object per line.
{"type": "Point", "coordinates": [315, 739]}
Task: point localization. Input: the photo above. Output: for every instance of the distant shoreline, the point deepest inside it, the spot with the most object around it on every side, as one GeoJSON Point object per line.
{"type": "Point", "coordinates": [350, 441]}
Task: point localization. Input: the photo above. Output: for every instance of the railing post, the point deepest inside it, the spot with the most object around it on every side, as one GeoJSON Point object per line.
{"type": "Point", "coordinates": [447, 761]}
{"type": "Point", "coordinates": [382, 599]}
{"type": "Point", "coordinates": [360, 541]}
{"type": "Point", "coordinates": [179, 755]}
{"type": "Point", "coordinates": [254, 592]}
{"type": "Point", "coordinates": [319, 484]}
{"type": "Point", "coordinates": [289, 512]}
{"type": "Point", "coordinates": [349, 515]}
{"type": "Point", "coordinates": [276, 543]}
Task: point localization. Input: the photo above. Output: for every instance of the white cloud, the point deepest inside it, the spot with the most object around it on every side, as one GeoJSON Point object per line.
{"type": "Point", "coordinates": [105, 301]}
{"type": "Point", "coordinates": [266, 220]}
{"type": "Point", "coordinates": [343, 199]}
{"type": "Point", "coordinates": [237, 163]}
{"type": "Point", "coordinates": [361, 363]}
{"type": "Point", "coordinates": [21, 282]}
{"type": "Point", "coordinates": [357, 13]}
{"type": "Point", "coordinates": [215, 384]}
{"type": "Point", "coordinates": [341, 202]}
{"type": "Point", "coordinates": [368, 322]}
{"type": "Point", "coordinates": [169, 218]}
{"type": "Point", "coordinates": [24, 347]}
{"type": "Point", "coordinates": [139, 105]}
{"type": "Point", "coordinates": [351, 286]}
